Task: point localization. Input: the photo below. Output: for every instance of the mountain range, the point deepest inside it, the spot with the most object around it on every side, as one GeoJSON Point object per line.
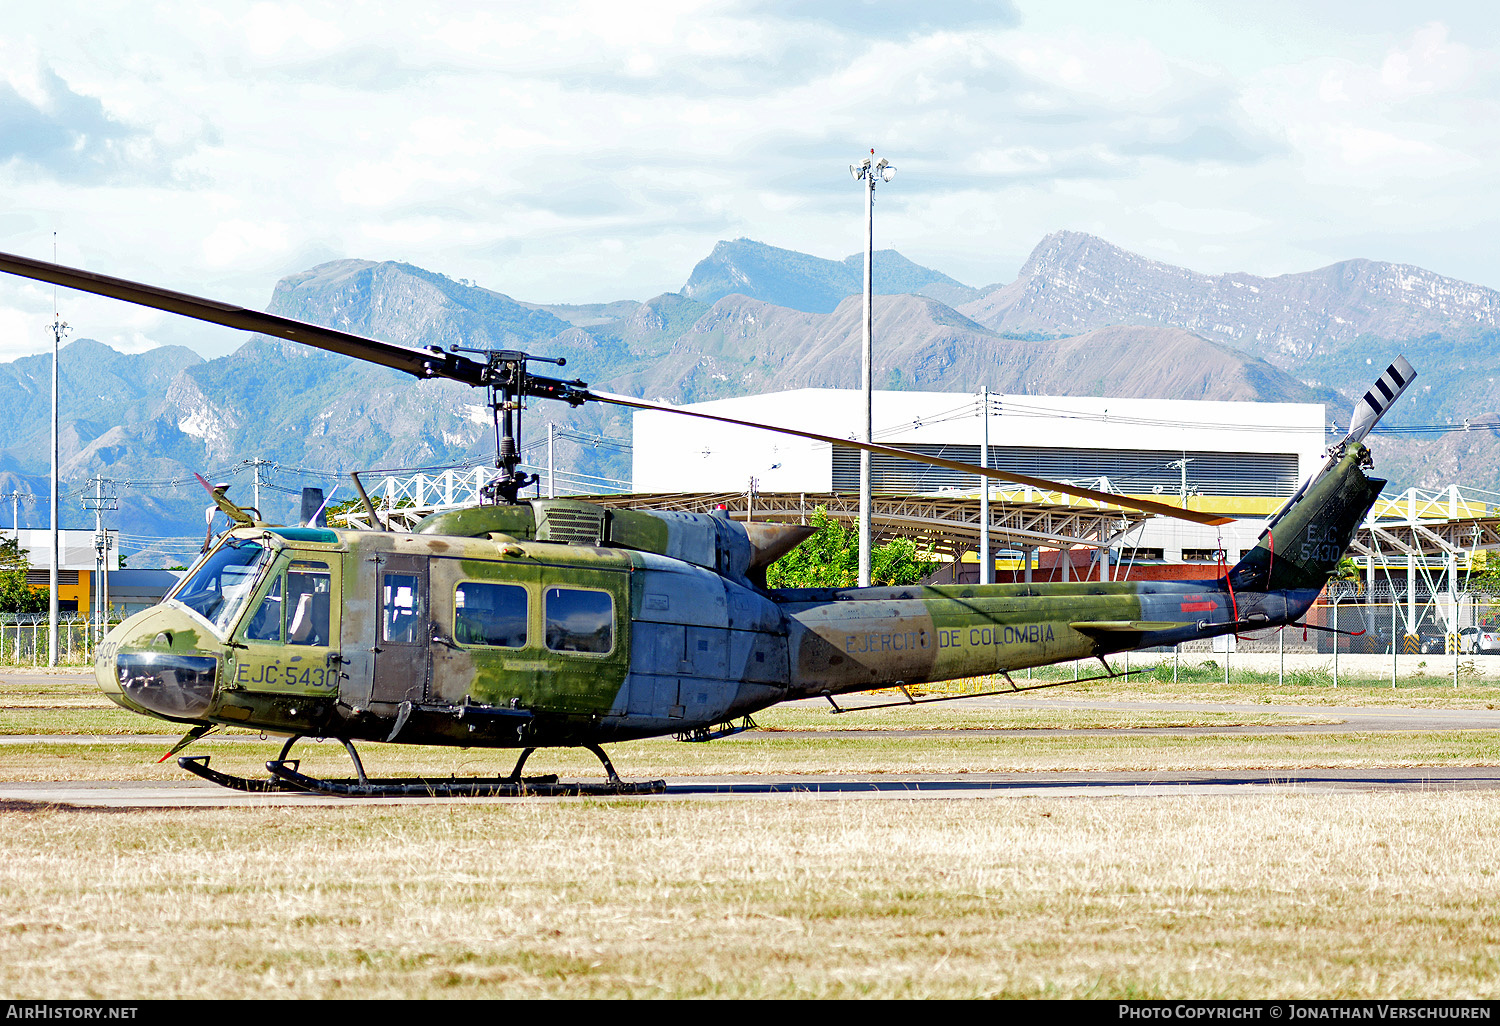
{"type": "Point", "coordinates": [1082, 317]}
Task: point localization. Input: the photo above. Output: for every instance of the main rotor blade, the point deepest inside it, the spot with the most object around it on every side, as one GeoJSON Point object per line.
{"type": "Point", "coordinates": [434, 363]}
{"type": "Point", "coordinates": [1144, 505]}
{"type": "Point", "coordinates": [417, 362]}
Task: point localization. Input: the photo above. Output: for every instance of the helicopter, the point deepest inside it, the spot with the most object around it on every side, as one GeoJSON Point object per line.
{"type": "Point", "coordinates": [525, 624]}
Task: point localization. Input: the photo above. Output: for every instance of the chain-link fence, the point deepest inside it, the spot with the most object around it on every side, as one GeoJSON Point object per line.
{"type": "Point", "coordinates": [1370, 621]}
{"type": "Point", "coordinates": [24, 639]}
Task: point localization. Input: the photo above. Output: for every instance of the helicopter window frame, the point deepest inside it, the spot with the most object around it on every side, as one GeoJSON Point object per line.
{"type": "Point", "coordinates": [257, 625]}
{"type": "Point", "coordinates": [478, 634]}
{"type": "Point", "coordinates": [403, 606]}
{"type": "Point", "coordinates": [316, 632]}
{"type": "Point", "coordinates": [556, 633]}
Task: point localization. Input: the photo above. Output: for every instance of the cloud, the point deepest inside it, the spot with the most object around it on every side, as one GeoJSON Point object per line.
{"type": "Point", "coordinates": [891, 19]}
{"type": "Point", "coordinates": [365, 67]}
{"type": "Point", "coordinates": [590, 150]}
{"type": "Point", "coordinates": [1187, 142]}
{"type": "Point", "coordinates": [69, 136]}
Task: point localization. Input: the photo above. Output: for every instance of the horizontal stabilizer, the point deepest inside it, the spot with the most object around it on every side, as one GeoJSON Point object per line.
{"type": "Point", "coordinates": [1127, 626]}
{"type": "Point", "coordinates": [772, 541]}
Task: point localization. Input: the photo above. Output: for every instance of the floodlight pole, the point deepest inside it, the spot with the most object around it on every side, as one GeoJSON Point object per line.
{"type": "Point", "coordinates": [59, 329]}
{"type": "Point", "coordinates": [1182, 464]}
{"type": "Point", "coordinates": [868, 171]}
{"type": "Point", "coordinates": [986, 563]}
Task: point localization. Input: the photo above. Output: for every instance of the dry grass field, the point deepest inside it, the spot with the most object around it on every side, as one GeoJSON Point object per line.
{"type": "Point", "coordinates": [1272, 895]}
{"type": "Point", "coordinates": [1284, 894]}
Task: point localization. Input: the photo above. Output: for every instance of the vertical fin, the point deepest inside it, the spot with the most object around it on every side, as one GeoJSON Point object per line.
{"type": "Point", "coordinates": [1313, 531]}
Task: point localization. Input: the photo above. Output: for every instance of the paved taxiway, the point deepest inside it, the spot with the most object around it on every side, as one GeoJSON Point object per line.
{"type": "Point", "coordinates": [197, 794]}
{"type": "Point", "coordinates": [190, 793]}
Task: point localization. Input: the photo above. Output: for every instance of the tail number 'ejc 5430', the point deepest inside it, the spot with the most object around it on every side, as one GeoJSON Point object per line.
{"type": "Point", "coordinates": [275, 675]}
{"type": "Point", "coordinates": [1321, 544]}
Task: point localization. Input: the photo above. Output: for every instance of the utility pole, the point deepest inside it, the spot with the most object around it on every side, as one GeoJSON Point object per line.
{"type": "Point", "coordinates": [986, 563]}
{"type": "Point", "coordinates": [99, 503]}
{"type": "Point", "coordinates": [15, 510]}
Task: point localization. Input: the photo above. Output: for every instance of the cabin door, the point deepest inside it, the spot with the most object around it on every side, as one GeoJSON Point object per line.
{"type": "Point", "coordinates": [404, 637]}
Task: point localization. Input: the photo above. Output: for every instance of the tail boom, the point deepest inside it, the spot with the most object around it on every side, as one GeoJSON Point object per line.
{"type": "Point", "coordinates": [861, 638]}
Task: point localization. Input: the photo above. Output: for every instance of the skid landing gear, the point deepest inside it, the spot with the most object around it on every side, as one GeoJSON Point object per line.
{"type": "Point", "coordinates": [286, 776]}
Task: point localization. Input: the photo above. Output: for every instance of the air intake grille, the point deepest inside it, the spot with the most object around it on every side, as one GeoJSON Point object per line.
{"type": "Point", "coordinates": [572, 527]}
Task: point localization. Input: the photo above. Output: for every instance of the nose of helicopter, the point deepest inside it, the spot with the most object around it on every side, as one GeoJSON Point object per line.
{"type": "Point", "coordinates": [140, 668]}
{"type": "Point", "coordinates": [165, 683]}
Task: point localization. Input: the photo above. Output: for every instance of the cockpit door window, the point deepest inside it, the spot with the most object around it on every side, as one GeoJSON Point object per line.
{"type": "Point", "coordinates": [309, 598]}
{"type": "Point", "coordinates": [295, 608]}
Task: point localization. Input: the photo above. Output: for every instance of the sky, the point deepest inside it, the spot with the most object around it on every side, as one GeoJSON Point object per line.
{"type": "Point", "coordinates": [584, 151]}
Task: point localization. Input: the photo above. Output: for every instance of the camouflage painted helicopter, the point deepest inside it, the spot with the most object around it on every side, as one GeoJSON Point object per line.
{"type": "Point", "coordinates": [551, 622]}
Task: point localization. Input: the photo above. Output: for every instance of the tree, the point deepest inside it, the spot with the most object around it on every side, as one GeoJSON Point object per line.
{"type": "Point", "coordinates": [1484, 572]}
{"type": "Point", "coordinates": [830, 559]}
{"type": "Point", "coordinates": [337, 514]}
{"type": "Point", "coordinates": [16, 596]}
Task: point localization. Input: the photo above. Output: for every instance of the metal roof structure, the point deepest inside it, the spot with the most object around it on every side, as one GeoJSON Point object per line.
{"type": "Point", "coordinates": [1428, 526]}
{"type": "Point", "coordinates": [1419, 532]}
{"type": "Point", "coordinates": [1020, 518]}
{"type": "Point", "coordinates": [947, 524]}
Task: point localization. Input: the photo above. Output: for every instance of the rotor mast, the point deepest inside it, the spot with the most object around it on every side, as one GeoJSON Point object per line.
{"type": "Point", "coordinates": [509, 384]}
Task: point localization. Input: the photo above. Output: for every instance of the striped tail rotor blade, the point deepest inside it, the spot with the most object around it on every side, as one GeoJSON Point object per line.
{"type": "Point", "coordinates": [1387, 388]}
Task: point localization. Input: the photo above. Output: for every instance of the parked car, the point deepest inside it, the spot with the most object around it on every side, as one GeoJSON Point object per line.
{"type": "Point", "coordinates": [1483, 640]}
{"type": "Point", "coordinates": [1434, 641]}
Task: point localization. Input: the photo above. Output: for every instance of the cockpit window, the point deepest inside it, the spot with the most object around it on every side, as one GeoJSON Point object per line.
{"type": "Point", "coordinates": [308, 593]}
{"type": "Point", "coordinates": [219, 587]}
{"type": "Point", "coordinates": [265, 622]}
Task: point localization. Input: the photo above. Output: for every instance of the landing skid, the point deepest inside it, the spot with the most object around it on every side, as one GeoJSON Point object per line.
{"type": "Point", "coordinates": [286, 776]}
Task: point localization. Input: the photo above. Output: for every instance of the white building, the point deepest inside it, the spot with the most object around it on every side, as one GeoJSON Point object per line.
{"type": "Point", "coordinates": [76, 564]}
{"type": "Point", "coordinates": [76, 549]}
{"type": "Point", "coordinates": [1235, 452]}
